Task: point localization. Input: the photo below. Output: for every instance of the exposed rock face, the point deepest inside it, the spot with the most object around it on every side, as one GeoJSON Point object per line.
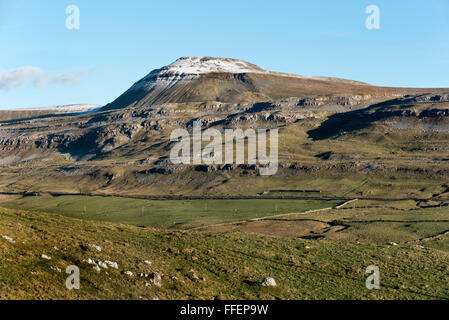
{"type": "Point", "coordinates": [85, 137]}
{"type": "Point", "coordinates": [424, 98]}
{"type": "Point", "coordinates": [425, 112]}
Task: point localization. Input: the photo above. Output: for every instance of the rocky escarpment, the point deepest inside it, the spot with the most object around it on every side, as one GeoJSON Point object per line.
{"type": "Point", "coordinates": [87, 136]}
{"type": "Point", "coordinates": [425, 112]}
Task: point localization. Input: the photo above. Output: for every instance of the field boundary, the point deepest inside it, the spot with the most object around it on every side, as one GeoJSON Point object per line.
{"type": "Point", "coordinates": [271, 217]}
{"type": "Point", "coordinates": [169, 197]}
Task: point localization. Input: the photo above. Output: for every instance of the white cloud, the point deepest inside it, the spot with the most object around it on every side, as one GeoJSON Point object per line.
{"type": "Point", "coordinates": [39, 78]}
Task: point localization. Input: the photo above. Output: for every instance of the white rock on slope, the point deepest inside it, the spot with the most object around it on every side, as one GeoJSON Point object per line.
{"type": "Point", "coordinates": [157, 279]}
{"type": "Point", "coordinates": [94, 246]}
{"type": "Point", "coordinates": [112, 264]}
{"type": "Point", "coordinates": [268, 282]}
{"type": "Point", "coordinates": [90, 261]}
{"type": "Point", "coordinates": [9, 239]}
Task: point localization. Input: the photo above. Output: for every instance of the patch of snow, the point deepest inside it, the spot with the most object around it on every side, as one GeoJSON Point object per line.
{"type": "Point", "coordinates": [190, 68]}
{"type": "Point", "coordinates": [9, 239]}
{"type": "Point", "coordinates": [103, 265]}
{"type": "Point", "coordinates": [148, 262]}
{"type": "Point", "coordinates": [199, 65]}
{"type": "Point", "coordinates": [97, 268]}
{"type": "Point", "coordinates": [44, 256]}
{"type": "Point", "coordinates": [129, 273]}
{"type": "Point", "coordinates": [70, 108]}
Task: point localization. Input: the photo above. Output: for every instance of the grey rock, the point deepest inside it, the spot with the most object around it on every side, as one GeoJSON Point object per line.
{"type": "Point", "coordinates": [268, 282]}
{"type": "Point", "coordinates": [157, 279]}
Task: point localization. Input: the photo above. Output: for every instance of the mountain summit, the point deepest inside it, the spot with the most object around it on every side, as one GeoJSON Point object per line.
{"type": "Point", "coordinates": [187, 69]}
{"type": "Point", "coordinates": [199, 65]}
{"type": "Point", "coordinates": [200, 79]}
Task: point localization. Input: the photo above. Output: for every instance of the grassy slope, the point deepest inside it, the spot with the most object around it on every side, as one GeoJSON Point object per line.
{"type": "Point", "coordinates": [163, 214]}
{"type": "Point", "coordinates": [231, 263]}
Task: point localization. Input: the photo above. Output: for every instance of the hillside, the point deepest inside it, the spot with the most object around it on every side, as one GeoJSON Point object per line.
{"type": "Point", "coordinates": [126, 151]}
{"type": "Point", "coordinates": [425, 112]}
{"type": "Point", "coordinates": [200, 79]}
{"type": "Point", "coordinates": [199, 265]}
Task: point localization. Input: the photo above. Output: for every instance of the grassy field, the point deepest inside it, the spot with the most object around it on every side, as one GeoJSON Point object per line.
{"type": "Point", "coordinates": [231, 264]}
{"type": "Point", "coordinates": [370, 222]}
{"type": "Point", "coordinates": [167, 214]}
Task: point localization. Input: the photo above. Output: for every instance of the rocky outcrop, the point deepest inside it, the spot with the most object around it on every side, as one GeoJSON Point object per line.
{"type": "Point", "coordinates": [87, 136]}
{"type": "Point", "coordinates": [424, 112]}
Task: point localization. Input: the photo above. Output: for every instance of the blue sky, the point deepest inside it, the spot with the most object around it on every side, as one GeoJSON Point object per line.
{"type": "Point", "coordinates": [121, 41]}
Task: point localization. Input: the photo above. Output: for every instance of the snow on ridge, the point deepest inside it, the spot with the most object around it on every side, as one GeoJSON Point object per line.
{"type": "Point", "coordinates": [66, 108]}
{"type": "Point", "coordinates": [186, 69]}
{"type": "Point", "coordinates": [190, 68]}
{"type": "Point", "coordinates": [200, 65]}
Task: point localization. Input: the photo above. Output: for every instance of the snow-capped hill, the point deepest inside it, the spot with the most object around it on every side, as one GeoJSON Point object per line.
{"type": "Point", "coordinates": [187, 69]}
{"type": "Point", "coordinates": [199, 65]}
{"type": "Point", "coordinates": [196, 79]}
